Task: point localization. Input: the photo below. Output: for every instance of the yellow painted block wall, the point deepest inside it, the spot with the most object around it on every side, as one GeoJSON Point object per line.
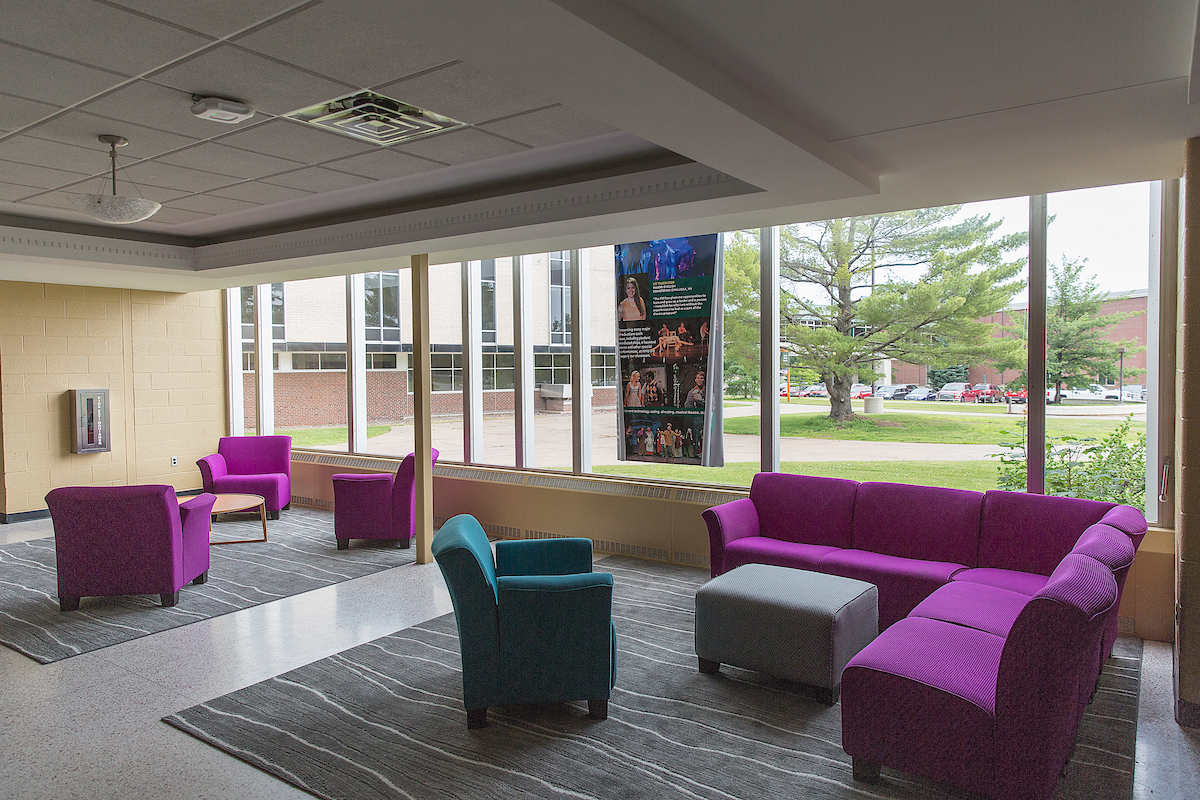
{"type": "Point", "coordinates": [158, 354]}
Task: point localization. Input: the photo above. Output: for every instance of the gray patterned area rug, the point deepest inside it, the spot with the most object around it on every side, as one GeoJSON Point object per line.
{"type": "Point", "coordinates": [300, 554]}
{"type": "Point", "coordinates": [385, 720]}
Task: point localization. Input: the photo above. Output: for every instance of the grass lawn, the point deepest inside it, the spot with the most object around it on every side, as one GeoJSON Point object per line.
{"type": "Point", "coordinates": [977, 475]}
{"type": "Point", "coordinates": [319, 437]}
{"type": "Point", "coordinates": [940, 429]}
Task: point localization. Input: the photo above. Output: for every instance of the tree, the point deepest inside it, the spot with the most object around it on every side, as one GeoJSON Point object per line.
{"type": "Point", "coordinates": [741, 319]}
{"type": "Point", "coordinates": [937, 378]}
{"type": "Point", "coordinates": [1077, 347]}
{"type": "Point", "coordinates": [911, 285]}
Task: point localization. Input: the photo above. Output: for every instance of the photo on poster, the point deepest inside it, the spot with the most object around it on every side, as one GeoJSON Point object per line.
{"type": "Point", "coordinates": [632, 306]}
{"type": "Point", "coordinates": [666, 438]}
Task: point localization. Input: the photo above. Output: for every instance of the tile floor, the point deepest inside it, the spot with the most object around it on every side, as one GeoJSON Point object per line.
{"type": "Point", "coordinates": [89, 726]}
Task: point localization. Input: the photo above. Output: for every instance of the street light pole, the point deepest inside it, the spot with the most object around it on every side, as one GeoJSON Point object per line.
{"type": "Point", "coordinates": [1121, 383]}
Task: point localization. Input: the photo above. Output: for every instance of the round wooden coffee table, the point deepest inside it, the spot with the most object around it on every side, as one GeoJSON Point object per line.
{"type": "Point", "coordinates": [227, 503]}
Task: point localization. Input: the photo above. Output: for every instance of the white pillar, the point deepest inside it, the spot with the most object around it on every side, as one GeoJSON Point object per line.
{"type": "Point", "coordinates": [522, 363]}
{"type": "Point", "coordinates": [264, 379]}
{"type": "Point", "coordinates": [768, 240]}
{"type": "Point", "coordinates": [472, 355]}
{"type": "Point", "coordinates": [234, 399]}
{"type": "Point", "coordinates": [356, 363]}
{"type": "Point", "coordinates": [581, 363]}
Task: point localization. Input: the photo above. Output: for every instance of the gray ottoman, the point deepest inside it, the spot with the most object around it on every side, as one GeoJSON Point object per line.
{"type": "Point", "coordinates": [790, 623]}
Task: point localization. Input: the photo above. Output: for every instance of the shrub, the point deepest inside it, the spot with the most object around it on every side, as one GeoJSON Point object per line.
{"type": "Point", "coordinates": [1110, 469]}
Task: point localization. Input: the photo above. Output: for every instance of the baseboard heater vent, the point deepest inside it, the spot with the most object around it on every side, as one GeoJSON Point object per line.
{"type": "Point", "coordinates": [690, 560]}
{"type": "Point", "coordinates": [471, 474]}
{"type": "Point", "coordinates": [541, 535]}
{"type": "Point", "coordinates": [495, 531]}
{"type": "Point", "coordinates": [635, 550]}
{"type": "Point", "coordinates": [1126, 625]}
{"type": "Point", "coordinates": [310, 502]}
{"type": "Point", "coordinates": [705, 497]}
{"type": "Point", "coordinates": [579, 484]}
{"type": "Point", "coordinates": [339, 461]}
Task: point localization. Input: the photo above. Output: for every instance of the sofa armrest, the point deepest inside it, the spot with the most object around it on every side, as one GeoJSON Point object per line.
{"type": "Point", "coordinates": [213, 466]}
{"type": "Point", "coordinates": [364, 477]}
{"type": "Point", "coordinates": [567, 556]}
{"type": "Point", "coordinates": [727, 523]}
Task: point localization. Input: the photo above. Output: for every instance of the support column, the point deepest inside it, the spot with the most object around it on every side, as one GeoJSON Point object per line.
{"type": "Point", "coordinates": [1162, 315]}
{"type": "Point", "coordinates": [234, 399]}
{"type": "Point", "coordinates": [356, 363]}
{"type": "Point", "coordinates": [522, 363]}
{"type": "Point", "coordinates": [472, 344]}
{"type": "Point", "coordinates": [768, 362]}
{"type": "Point", "coordinates": [1035, 327]}
{"type": "Point", "coordinates": [1187, 453]}
{"type": "Point", "coordinates": [581, 364]}
{"type": "Point", "coordinates": [422, 409]}
{"type": "Point", "coordinates": [263, 378]}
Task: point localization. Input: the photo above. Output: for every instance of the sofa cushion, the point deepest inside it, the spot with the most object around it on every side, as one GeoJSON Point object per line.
{"type": "Point", "coordinates": [1109, 546]}
{"type": "Point", "coordinates": [1013, 580]}
{"type": "Point", "coordinates": [922, 522]}
{"type": "Point", "coordinates": [765, 550]}
{"type": "Point", "coordinates": [1129, 521]}
{"type": "Point", "coordinates": [902, 582]}
{"type": "Point", "coordinates": [974, 605]}
{"type": "Point", "coordinates": [800, 508]}
{"type": "Point", "coordinates": [1032, 532]}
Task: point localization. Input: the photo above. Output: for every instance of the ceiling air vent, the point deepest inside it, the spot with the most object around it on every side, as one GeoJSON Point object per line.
{"type": "Point", "coordinates": [374, 118]}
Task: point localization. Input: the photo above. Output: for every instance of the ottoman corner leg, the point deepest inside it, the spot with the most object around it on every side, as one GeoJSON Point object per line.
{"type": "Point", "coordinates": [865, 771]}
{"type": "Point", "coordinates": [709, 667]}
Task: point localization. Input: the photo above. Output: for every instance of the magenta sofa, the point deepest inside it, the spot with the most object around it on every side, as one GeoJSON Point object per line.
{"type": "Point", "coordinates": [377, 505]}
{"type": "Point", "coordinates": [117, 540]}
{"type": "Point", "coordinates": [260, 465]}
{"type": "Point", "coordinates": [997, 611]}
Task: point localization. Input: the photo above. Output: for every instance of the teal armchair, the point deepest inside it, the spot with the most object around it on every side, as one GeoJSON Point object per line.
{"type": "Point", "coordinates": [534, 623]}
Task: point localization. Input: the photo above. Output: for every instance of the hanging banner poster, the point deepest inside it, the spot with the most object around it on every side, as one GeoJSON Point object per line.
{"type": "Point", "coordinates": [669, 350]}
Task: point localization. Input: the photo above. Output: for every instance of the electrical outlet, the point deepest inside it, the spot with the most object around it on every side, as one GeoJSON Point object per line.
{"type": "Point", "coordinates": [174, 461]}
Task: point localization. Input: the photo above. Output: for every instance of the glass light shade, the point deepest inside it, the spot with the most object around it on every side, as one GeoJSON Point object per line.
{"type": "Point", "coordinates": [114, 209]}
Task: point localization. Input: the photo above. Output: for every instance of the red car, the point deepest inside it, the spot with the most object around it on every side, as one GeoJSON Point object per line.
{"type": "Point", "coordinates": [983, 393]}
{"type": "Point", "coordinates": [1016, 395]}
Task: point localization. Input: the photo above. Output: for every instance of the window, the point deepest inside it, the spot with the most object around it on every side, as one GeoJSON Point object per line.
{"type": "Point", "coordinates": [487, 306]}
{"type": "Point", "coordinates": [382, 300]}
{"type": "Point", "coordinates": [382, 361]}
{"type": "Point", "coordinates": [551, 368]}
{"type": "Point", "coordinates": [604, 368]}
{"type": "Point", "coordinates": [278, 329]}
{"type": "Point", "coordinates": [445, 372]}
{"type": "Point", "coordinates": [560, 299]}
{"type": "Point", "coordinates": [498, 371]}
{"type": "Point", "coordinates": [319, 360]}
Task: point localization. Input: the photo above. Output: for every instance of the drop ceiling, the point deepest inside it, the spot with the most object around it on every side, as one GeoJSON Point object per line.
{"type": "Point", "coordinates": [587, 122]}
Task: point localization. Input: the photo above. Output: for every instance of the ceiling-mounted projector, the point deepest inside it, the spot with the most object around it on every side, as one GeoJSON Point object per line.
{"type": "Point", "coordinates": [218, 110]}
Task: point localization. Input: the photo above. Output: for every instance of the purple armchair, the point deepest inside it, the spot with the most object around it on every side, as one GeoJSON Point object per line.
{"type": "Point", "coordinates": [376, 506]}
{"type": "Point", "coordinates": [259, 465]}
{"type": "Point", "coordinates": [114, 540]}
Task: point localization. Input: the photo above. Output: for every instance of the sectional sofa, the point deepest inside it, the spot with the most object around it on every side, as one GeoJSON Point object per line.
{"type": "Point", "coordinates": [996, 612]}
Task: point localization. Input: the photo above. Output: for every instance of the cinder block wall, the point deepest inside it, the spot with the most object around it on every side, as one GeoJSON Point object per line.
{"type": "Point", "coordinates": [159, 355]}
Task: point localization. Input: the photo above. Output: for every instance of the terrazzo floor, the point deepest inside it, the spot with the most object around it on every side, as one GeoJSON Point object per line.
{"type": "Point", "coordinates": [89, 726]}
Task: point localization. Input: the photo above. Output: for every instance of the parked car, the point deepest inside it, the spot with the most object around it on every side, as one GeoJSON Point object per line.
{"type": "Point", "coordinates": [859, 390]}
{"type": "Point", "coordinates": [921, 393]}
{"type": "Point", "coordinates": [983, 393]}
{"type": "Point", "coordinates": [1016, 395]}
{"type": "Point", "coordinates": [900, 391]}
{"type": "Point", "coordinates": [953, 392]}
{"type": "Point", "coordinates": [1134, 391]}
{"type": "Point", "coordinates": [816, 390]}
{"type": "Point", "coordinates": [888, 392]}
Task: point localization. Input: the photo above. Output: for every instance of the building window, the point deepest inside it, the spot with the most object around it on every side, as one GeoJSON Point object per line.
{"type": "Point", "coordinates": [248, 361]}
{"type": "Point", "coordinates": [487, 305]}
{"type": "Point", "coordinates": [318, 361]}
{"type": "Point", "coordinates": [551, 368]}
{"type": "Point", "coordinates": [445, 372]}
{"type": "Point", "coordinates": [382, 361]}
{"type": "Point", "coordinates": [498, 371]}
{"type": "Point", "coordinates": [604, 368]}
{"type": "Point", "coordinates": [278, 330]}
{"type": "Point", "coordinates": [382, 300]}
{"type": "Point", "coordinates": [560, 298]}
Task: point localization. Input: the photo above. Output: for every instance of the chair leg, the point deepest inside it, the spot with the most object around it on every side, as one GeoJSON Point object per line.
{"type": "Point", "coordinates": [709, 667]}
{"type": "Point", "coordinates": [598, 709]}
{"type": "Point", "coordinates": [406, 543]}
{"type": "Point", "coordinates": [68, 603]}
{"type": "Point", "coordinates": [865, 771]}
{"type": "Point", "coordinates": [201, 579]}
{"type": "Point", "coordinates": [272, 515]}
{"type": "Point", "coordinates": [169, 599]}
{"type": "Point", "coordinates": [343, 544]}
{"type": "Point", "coordinates": [476, 718]}
{"type": "Point", "coordinates": [288, 507]}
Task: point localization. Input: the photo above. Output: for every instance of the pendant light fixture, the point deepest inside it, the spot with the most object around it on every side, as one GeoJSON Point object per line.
{"type": "Point", "coordinates": [115, 209]}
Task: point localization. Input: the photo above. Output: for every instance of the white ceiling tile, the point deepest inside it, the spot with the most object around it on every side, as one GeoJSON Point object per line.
{"type": "Point", "coordinates": [261, 83]}
{"type": "Point", "coordinates": [47, 79]}
{"type": "Point", "coordinates": [213, 157]}
{"type": "Point", "coordinates": [461, 146]}
{"type": "Point", "coordinates": [41, 177]}
{"type": "Point", "coordinates": [11, 191]}
{"type": "Point", "coordinates": [176, 216]}
{"type": "Point", "coordinates": [154, 106]}
{"type": "Point", "coordinates": [317, 179]}
{"type": "Point", "coordinates": [382, 164]}
{"type": "Point", "coordinates": [296, 141]}
{"type": "Point", "coordinates": [549, 126]}
{"type": "Point", "coordinates": [213, 17]}
{"type": "Point", "coordinates": [462, 93]}
{"type": "Point", "coordinates": [16, 112]}
{"type": "Point", "coordinates": [169, 176]}
{"type": "Point", "coordinates": [55, 155]}
{"type": "Point", "coordinates": [82, 130]}
{"type": "Point", "coordinates": [103, 36]}
{"type": "Point", "coordinates": [360, 43]}
{"type": "Point", "coordinates": [208, 204]}
{"type": "Point", "coordinates": [259, 192]}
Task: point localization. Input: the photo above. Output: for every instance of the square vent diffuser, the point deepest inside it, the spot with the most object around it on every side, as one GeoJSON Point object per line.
{"type": "Point", "coordinates": [374, 118]}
